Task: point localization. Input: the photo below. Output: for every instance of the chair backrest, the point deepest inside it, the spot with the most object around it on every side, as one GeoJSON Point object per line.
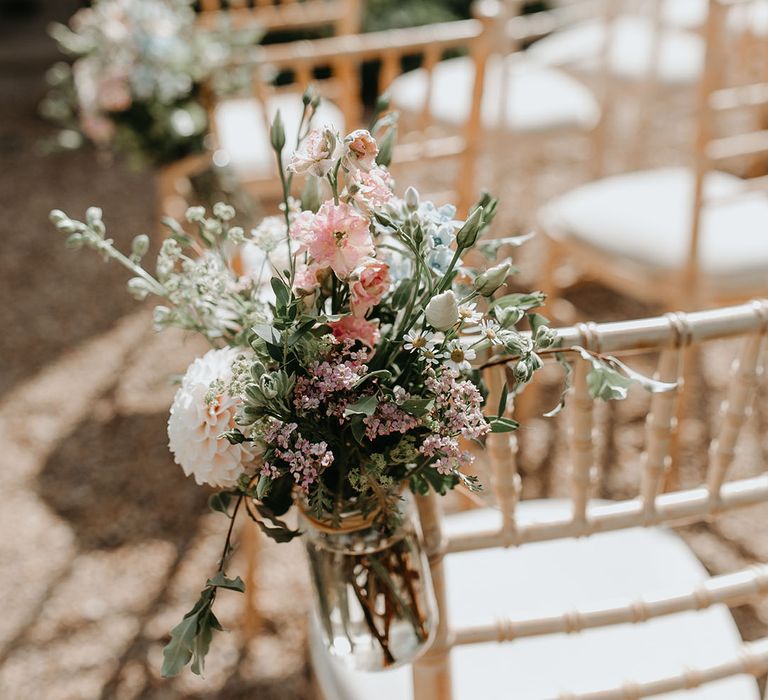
{"type": "Point", "coordinates": [341, 16]}
{"type": "Point", "coordinates": [622, 34]}
{"type": "Point", "coordinates": [732, 127]}
{"type": "Point", "coordinates": [333, 65]}
{"type": "Point", "coordinates": [668, 337]}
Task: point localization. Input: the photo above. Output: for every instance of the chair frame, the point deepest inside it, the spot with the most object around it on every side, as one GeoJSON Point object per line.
{"type": "Point", "coordinates": [668, 335]}
{"type": "Point", "coordinates": [686, 286]}
{"type": "Point", "coordinates": [346, 54]}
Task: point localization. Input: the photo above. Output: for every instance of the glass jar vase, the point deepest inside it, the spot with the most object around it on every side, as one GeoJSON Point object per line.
{"type": "Point", "coordinates": [374, 600]}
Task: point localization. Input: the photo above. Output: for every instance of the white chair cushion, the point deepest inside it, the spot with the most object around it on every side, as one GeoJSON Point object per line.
{"type": "Point", "coordinates": [539, 99]}
{"type": "Point", "coordinates": [680, 57]}
{"type": "Point", "coordinates": [645, 217]}
{"type": "Point", "coordinates": [690, 14]}
{"type": "Point", "coordinates": [554, 577]}
{"type": "Point", "coordinates": [243, 133]}
{"type": "Point", "coordinates": [684, 14]}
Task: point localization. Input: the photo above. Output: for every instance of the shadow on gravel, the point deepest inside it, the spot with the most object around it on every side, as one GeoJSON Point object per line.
{"type": "Point", "coordinates": [114, 483]}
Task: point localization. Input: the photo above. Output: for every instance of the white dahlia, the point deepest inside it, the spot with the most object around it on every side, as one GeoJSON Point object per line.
{"type": "Point", "coordinates": [202, 410]}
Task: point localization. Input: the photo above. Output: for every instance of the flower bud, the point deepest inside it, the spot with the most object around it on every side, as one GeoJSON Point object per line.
{"type": "Point", "coordinates": [467, 234]}
{"type": "Point", "coordinates": [140, 245]}
{"type": "Point", "coordinates": [161, 316]}
{"type": "Point", "coordinates": [442, 312]}
{"type": "Point", "coordinates": [490, 280]}
{"type": "Point", "coordinates": [522, 372]}
{"type": "Point", "coordinates": [411, 199]}
{"type": "Point", "coordinates": [545, 336]}
{"type": "Point", "coordinates": [138, 288]}
{"type": "Point", "coordinates": [225, 212]}
{"type": "Point", "coordinates": [277, 133]}
{"type": "Point", "coordinates": [194, 214]}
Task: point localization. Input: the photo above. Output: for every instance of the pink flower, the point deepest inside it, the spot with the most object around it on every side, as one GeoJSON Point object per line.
{"type": "Point", "coordinates": [305, 280]}
{"type": "Point", "coordinates": [354, 328]}
{"type": "Point", "coordinates": [337, 237]}
{"type": "Point", "coordinates": [372, 189]}
{"type": "Point", "coordinates": [369, 283]}
{"type": "Point", "coordinates": [361, 150]}
{"type": "Point", "coordinates": [318, 153]}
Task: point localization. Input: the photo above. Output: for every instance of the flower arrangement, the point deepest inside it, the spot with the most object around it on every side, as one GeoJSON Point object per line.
{"type": "Point", "coordinates": [136, 80]}
{"type": "Point", "coordinates": [345, 332]}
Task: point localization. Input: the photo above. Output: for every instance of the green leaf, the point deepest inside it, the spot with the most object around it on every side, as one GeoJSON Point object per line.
{"type": "Point", "coordinates": [268, 334]}
{"type": "Point", "coordinates": [503, 399]}
{"type": "Point", "coordinates": [235, 437]}
{"type": "Point", "coordinates": [358, 429]}
{"type": "Point", "coordinates": [282, 293]}
{"type": "Point", "coordinates": [178, 652]}
{"type": "Point", "coordinates": [280, 532]}
{"type": "Point", "coordinates": [378, 374]}
{"type": "Point", "coordinates": [221, 581]}
{"type": "Point", "coordinates": [417, 407]}
{"type": "Point", "coordinates": [202, 643]}
{"type": "Point", "coordinates": [520, 301]}
{"type": "Point", "coordinates": [365, 406]}
{"type": "Point", "coordinates": [567, 374]}
{"type": "Point", "coordinates": [262, 487]}
{"type": "Point", "coordinates": [219, 502]}
{"type": "Point", "coordinates": [536, 321]}
{"type": "Point", "coordinates": [402, 294]}
{"type": "Point", "coordinates": [500, 424]}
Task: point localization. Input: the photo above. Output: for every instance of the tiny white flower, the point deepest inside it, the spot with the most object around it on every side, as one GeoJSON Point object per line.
{"type": "Point", "coordinates": [469, 313]}
{"type": "Point", "coordinates": [419, 340]}
{"type": "Point", "coordinates": [492, 332]}
{"type": "Point", "coordinates": [432, 356]}
{"type": "Point", "coordinates": [458, 356]}
{"type": "Point", "coordinates": [442, 312]}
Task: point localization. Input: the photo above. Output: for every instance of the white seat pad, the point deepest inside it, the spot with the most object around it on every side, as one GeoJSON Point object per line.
{"type": "Point", "coordinates": [645, 217]}
{"type": "Point", "coordinates": [690, 14]}
{"type": "Point", "coordinates": [244, 135]}
{"type": "Point", "coordinates": [554, 577]}
{"type": "Point", "coordinates": [684, 14]}
{"type": "Point", "coordinates": [539, 99]}
{"type": "Point", "coordinates": [680, 56]}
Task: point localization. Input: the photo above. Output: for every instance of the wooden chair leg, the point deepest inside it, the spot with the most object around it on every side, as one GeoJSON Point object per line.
{"type": "Point", "coordinates": [252, 617]}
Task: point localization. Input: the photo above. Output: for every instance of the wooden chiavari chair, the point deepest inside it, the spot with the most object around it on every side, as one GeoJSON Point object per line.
{"type": "Point", "coordinates": [339, 16]}
{"type": "Point", "coordinates": [580, 599]}
{"type": "Point", "coordinates": [524, 105]}
{"type": "Point", "coordinates": [339, 60]}
{"type": "Point", "coordinates": [681, 236]}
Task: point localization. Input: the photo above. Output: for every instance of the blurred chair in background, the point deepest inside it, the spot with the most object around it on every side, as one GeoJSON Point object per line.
{"type": "Point", "coordinates": [241, 123]}
{"type": "Point", "coordinates": [564, 582]}
{"type": "Point", "coordinates": [334, 65]}
{"type": "Point", "coordinates": [633, 52]}
{"type": "Point", "coordinates": [681, 237]}
{"type": "Point", "coordinates": [524, 104]}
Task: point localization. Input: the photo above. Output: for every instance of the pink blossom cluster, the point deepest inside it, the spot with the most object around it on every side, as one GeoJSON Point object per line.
{"type": "Point", "coordinates": [451, 456]}
{"type": "Point", "coordinates": [338, 373]}
{"type": "Point", "coordinates": [458, 405]}
{"type": "Point", "coordinates": [306, 460]}
{"type": "Point", "coordinates": [387, 419]}
{"type": "Point", "coordinates": [457, 411]}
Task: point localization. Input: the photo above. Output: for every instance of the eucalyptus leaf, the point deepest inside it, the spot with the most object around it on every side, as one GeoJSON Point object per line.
{"type": "Point", "coordinates": [365, 406]}
{"type": "Point", "coordinates": [221, 581]}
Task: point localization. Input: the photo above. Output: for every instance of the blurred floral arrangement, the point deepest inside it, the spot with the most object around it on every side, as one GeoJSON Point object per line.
{"type": "Point", "coordinates": [346, 334]}
{"type": "Point", "coordinates": [135, 82]}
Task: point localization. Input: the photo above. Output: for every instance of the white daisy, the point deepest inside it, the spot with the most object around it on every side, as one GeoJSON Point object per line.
{"type": "Point", "coordinates": [458, 356]}
{"type": "Point", "coordinates": [419, 340]}
{"type": "Point", "coordinates": [468, 313]}
{"type": "Point", "coordinates": [492, 332]}
{"type": "Point", "coordinates": [432, 356]}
